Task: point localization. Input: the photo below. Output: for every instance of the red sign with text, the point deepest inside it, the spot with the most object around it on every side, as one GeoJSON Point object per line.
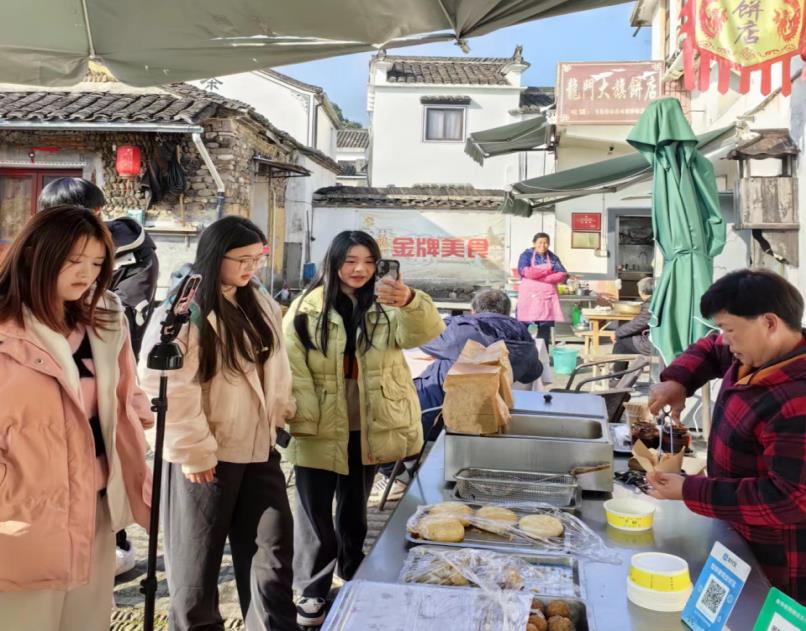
{"type": "Point", "coordinates": [586, 222]}
{"type": "Point", "coordinates": [614, 93]}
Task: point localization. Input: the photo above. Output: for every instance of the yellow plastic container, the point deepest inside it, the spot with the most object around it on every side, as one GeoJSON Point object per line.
{"type": "Point", "coordinates": [626, 513]}
{"type": "Point", "coordinates": [659, 581]}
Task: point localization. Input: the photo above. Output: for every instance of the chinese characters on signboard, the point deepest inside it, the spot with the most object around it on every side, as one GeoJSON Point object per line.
{"type": "Point", "coordinates": [441, 248]}
{"type": "Point", "coordinates": [606, 92]}
{"type": "Point", "coordinates": [742, 35]}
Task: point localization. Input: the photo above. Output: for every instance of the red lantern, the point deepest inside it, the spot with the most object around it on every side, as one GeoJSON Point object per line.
{"type": "Point", "coordinates": [127, 161]}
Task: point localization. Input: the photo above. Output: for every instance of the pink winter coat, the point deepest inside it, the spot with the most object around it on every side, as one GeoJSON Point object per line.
{"type": "Point", "coordinates": [538, 300]}
{"type": "Point", "coordinates": [48, 490]}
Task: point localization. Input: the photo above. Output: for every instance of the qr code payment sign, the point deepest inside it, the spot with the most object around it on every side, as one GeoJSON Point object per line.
{"type": "Point", "coordinates": [779, 624]}
{"type": "Point", "coordinates": [712, 598]}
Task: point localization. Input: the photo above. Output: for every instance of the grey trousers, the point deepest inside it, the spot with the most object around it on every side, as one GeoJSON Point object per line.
{"type": "Point", "coordinates": [320, 545]}
{"type": "Point", "coordinates": [248, 504]}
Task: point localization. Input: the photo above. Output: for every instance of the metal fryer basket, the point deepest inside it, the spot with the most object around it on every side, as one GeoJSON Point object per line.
{"type": "Point", "coordinates": [491, 485]}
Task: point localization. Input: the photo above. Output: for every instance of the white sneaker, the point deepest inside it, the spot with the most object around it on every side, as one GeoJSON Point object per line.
{"type": "Point", "coordinates": [310, 612]}
{"type": "Point", "coordinates": [124, 560]}
{"type": "Point", "coordinates": [395, 493]}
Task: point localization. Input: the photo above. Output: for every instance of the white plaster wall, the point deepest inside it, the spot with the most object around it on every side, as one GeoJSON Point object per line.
{"type": "Point", "coordinates": [325, 132]}
{"type": "Point", "coordinates": [401, 156]}
{"type": "Point", "coordinates": [286, 107]}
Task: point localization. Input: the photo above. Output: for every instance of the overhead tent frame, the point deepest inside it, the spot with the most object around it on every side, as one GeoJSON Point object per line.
{"type": "Point", "coordinates": [521, 136]}
{"type": "Point", "coordinates": [607, 176]}
{"type": "Point", "coordinates": [154, 42]}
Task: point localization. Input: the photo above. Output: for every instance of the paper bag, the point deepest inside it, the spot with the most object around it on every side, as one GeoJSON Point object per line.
{"type": "Point", "coordinates": [649, 460]}
{"type": "Point", "coordinates": [493, 355]}
{"type": "Point", "coordinates": [472, 403]}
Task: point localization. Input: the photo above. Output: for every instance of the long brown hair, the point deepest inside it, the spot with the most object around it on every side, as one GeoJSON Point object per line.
{"type": "Point", "coordinates": [244, 332]}
{"type": "Point", "coordinates": [29, 269]}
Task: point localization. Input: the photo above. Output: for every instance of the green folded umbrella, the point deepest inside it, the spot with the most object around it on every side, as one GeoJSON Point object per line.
{"type": "Point", "coordinates": [686, 223]}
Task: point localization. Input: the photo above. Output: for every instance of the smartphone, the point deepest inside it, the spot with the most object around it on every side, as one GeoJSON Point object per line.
{"type": "Point", "coordinates": [283, 438]}
{"type": "Point", "coordinates": [184, 298]}
{"type": "Point", "coordinates": [387, 268]}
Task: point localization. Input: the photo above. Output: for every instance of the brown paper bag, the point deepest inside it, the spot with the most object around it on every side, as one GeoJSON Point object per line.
{"type": "Point", "coordinates": [493, 355]}
{"type": "Point", "coordinates": [472, 403]}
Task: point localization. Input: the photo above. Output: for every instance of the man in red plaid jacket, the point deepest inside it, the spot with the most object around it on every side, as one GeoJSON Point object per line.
{"type": "Point", "coordinates": [757, 447]}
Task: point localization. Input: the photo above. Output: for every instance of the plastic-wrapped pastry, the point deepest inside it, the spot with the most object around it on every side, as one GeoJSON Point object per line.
{"type": "Point", "coordinates": [439, 528]}
{"type": "Point", "coordinates": [541, 526]}
{"type": "Point", "coordinates": [495, 519]}
{"type": "Point", "coordinates": [455, 509]}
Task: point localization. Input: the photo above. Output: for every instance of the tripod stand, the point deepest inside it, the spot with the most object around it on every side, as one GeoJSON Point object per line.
{"type": "Point", "coordinates": [164, 356]}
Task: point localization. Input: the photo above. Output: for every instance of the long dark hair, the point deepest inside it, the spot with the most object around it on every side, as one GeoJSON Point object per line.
{"type": "Point", "coordinates": [354, 316]}
{"type": "Point", "coordinates": [246, 333]}
{"type": "Point", "coordinates": [29, 270]}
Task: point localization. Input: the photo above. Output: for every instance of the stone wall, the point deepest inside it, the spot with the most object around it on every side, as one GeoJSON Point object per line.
{"type": "Point", "coordinates": [231, 143]}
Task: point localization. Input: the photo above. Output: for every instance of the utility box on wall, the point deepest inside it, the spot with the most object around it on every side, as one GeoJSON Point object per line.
{"type": "Point", "coordinates": [768, 203]}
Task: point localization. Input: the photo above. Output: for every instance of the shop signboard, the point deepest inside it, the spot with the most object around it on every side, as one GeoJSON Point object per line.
{"type": "Point", "coordinates": [606, 93]}
{"type": "Point", "coordinates": [441, 248]}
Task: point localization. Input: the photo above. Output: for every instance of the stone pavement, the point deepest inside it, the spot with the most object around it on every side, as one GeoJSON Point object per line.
{"type": "Point", "coordinates": [128, 612]}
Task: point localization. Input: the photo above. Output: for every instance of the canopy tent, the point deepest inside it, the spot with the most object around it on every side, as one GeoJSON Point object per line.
{"type": "Point", "coordinates": [520, 136]}
{"type": "Point", "coordinates": [153, 42]}
{"type": "Point", "coordinates": [606, 176]}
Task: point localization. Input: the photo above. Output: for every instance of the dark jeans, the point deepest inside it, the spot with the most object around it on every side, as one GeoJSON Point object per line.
{"type": "Point", "coordinates": [246, 503]}
{"type": "Point", "coordinates": [321, 545]}
{"type": "Point", "coordinates": [544, 332]}
{"type": "Point", "coordinates": [623, 346]}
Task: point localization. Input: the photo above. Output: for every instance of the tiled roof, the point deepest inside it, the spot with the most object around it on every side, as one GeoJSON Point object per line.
{"type": "Point", "coordinates": [426, 197]}
{"type": "Point", "coordinates": [115, 103]}
{"type": "Point", "coordinates": [99, 106]}
{"type": "Point", "coordinates": [292, 81]}
{"type": "Point", "coordinates": [534, 99]}
{"type": "Point", "coordinates": [352, 138]}
{"type": "Point", "coordinates": [448, 70]}
{"type": "Point", "coordinates": [768, 143]}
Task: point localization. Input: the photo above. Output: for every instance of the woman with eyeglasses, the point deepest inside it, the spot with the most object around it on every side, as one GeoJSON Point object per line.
{"type": "Point", "coordinates": [225, 405]}
{"type": "Point", "coordinates": [357, 406]}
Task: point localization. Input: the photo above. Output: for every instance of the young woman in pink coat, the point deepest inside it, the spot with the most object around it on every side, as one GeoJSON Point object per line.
{"type": "Point", "coordinates": [72, 450]}
{"type": "Point", "coordinates": [540, 271]}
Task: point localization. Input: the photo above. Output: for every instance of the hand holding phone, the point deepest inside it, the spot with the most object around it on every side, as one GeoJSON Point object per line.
{"type": "Point", "coordinates": [389, 289]}
{"type": "Point", "coordinates": [178, 313]}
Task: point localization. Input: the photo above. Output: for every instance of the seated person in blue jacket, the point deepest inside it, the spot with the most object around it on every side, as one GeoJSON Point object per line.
{"type": "Point", "coordinates": [489, 322]}
{"type": "Point", "coordinates": [633, 337]}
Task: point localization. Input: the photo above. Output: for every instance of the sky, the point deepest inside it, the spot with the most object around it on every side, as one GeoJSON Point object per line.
{"type": "Point", "coordinates": [598, 35]}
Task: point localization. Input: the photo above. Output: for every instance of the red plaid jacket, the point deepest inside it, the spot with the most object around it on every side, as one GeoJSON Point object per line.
{"type": "Point", "coordinates": [756, 455]}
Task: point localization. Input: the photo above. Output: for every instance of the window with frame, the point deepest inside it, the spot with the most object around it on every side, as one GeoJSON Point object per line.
{"type": "Point", "coordinates": [445, 124]}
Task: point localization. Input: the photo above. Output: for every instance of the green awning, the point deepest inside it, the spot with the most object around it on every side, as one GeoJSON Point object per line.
{"type": "Point", "coordinates": [520, 136]}
{"type": "Point", "coordinates": [606, 176]}
{"type": "Point", "coordinates": [154, 42]}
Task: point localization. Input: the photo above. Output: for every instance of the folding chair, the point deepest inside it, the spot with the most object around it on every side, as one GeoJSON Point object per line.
{"type": "Point", "coordinates": [615, 397]}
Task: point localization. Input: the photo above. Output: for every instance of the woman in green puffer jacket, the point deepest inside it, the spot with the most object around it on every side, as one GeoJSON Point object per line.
{"type": "Point", "coordinates": [356, 405]}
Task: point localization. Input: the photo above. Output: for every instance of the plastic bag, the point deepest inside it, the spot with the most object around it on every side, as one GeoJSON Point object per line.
{"type": "Point", "coordinates": [513, 527]}
{"type": "Point", "coordinates": [490, 570]}
{"type": "Point", "coordinates": [366, 605]}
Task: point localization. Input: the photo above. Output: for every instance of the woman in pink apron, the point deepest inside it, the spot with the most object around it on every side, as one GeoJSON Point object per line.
{"type": "Point", "coordinates": [540, 271]}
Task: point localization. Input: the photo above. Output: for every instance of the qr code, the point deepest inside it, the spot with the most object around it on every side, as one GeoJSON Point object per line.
{"type": "Point", "coordinates": [712, 598]}
{"type": "Point", "coordinates": [779, 624]}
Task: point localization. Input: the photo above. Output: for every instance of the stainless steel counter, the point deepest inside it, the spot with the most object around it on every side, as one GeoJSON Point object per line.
{"type": "Point", "coordinates": [676, 531]}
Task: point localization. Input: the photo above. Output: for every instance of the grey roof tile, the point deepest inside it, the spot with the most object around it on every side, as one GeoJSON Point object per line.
{"type": "Point", "coordinates": [422, 197]}
{"type": "Point", "coordinates": [352, 138]}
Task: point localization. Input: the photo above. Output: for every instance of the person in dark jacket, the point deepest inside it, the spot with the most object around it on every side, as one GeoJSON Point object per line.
{"type": "Point", "coordinates": [134, 281]}
{"type": "Point", "coordinates": [633, 336]}
{"type": "Point", "coordinates": [489, 322]}
{"type": "Point", "coordinates": [757, 447]}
